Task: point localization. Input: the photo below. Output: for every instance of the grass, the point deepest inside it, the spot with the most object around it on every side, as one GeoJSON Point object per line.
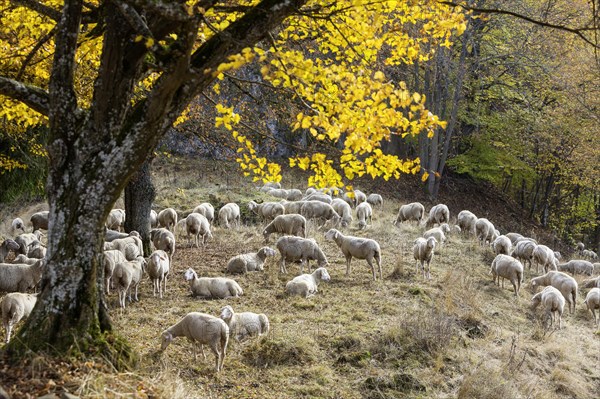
{"type": "Point", "coordinates": [456, 335]}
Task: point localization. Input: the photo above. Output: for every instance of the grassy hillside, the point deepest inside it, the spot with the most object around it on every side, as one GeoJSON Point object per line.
{"type": "Point", "coordinates": [456, 335]}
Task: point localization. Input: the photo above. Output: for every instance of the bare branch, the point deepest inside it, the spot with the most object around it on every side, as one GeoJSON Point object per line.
{"type": "Point", "coordinates": [34, 50]}
{"type": "Point", "coordinates": [41, 8]}
{"type": "Point", "coordinates": [134, 19]}
{"type": "Point", "coordinates": [32, 96]}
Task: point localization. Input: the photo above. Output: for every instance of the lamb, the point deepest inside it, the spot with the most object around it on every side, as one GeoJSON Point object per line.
{"type": "Point", "coordinates": [318, 197]}
{"type": "Point", "coordinates": [127, 277]}
{"type": "Point", "coordinates": [485, 231]}
{"type": "Point", "coordinates": [592, 301]}
{"type": "Point", "coordinates": [200, 329]}
{"type": "Point", "coordinates": [39, 220]}
{"type": "Point", "coordinates": [306, 284]}
{"type": "Point", "coordinates": [17, 224]}
{"type": "Point", "coordinates": [320, 210]}
{"type": "Point", "coordinates": [116, 219]}
{"type": "Point", "coordinates": [375, 199]}
{"type": "Point", "coordinates": [158, 269]}
{"type": "Point", "coordinates": [295, 248]}
{"type": "Point", "coordinates": [542, 255]}
{"type": "Point", "coordinates": [364, 212]}
{"type": "Point", "coordinates": [507, 267]}
{"type": "Point", "coordinates": [109, 261]}
{"type": "Point", "coordinates": [293, 224]}
{"type": "Point", "coordinates": [292, 206]}
{"type": "Point", "coordinates": [16, 306]}
{"type": "Point", "coordinates": [577, 266]}
{"type": "Point", "coordinates": [229, 213]}
{"type": "Point", "coordinates": [423, 252]}
{"type": "Point", "coordinates": [167, 218]}
{"type": "Point", "coordinates": [358, 247]}
{"type": "Point", "coordinates": [212, 287]}
{"type": "Point", "coordinates": [267, 210]}
{"type": "Point", "coordinates": [153, 219]}
{"type": "Point", "coordinates": [207, 210]}
{"type": "Point", "coordinates": [436, 232]}
{"type": "Point", "coordinates": [553, 302]}
{"type": "Point", "coordinates": [26, 239]}
{"type": "Point", "coordinates": [197, 225]}
{"type": "Point", "coordinates": [413, 211]}
{"type": "Point", "coordinates": [513, 237]}
{"type": "Point", "coordinates": [7, 246]}
{"type": "Point", "coordinates": [249, 262]}
{"type": "Point", "coordinates": [344, 210]}
{"type": "Point", "coordinates": [438, 214]}
{"type": "Point", "coordinates": [246, 324]}
{"type": "Point", "coordinates": [524, 251]}
{"type": "Point", "coordinates": [502, 245]}
{"type": "Point", "coordinates": [561, 281]}
{"type": "Point", "coordinates": [466, 220]}
{"type": "Point", "coordinates": [163, 239]}
{"type": "Point", "coordinates": [19, 277]}
{"type": "Point", "coordinates": [131, 246]}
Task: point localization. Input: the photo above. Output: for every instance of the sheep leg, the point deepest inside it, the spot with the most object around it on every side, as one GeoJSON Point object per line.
{"type": "Point", "coordinates": [282, 265]}
{"type": "Point", "coordinates": [348, 260]}
{"type": "Point", "coordinates": [8, 327]}
{"type": "Point", "coordinates": [378, 259]}
{"type": "Point", "coordinates": [370, 262]}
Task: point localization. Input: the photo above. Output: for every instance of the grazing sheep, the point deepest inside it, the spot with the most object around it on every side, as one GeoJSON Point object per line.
{"type": "Point", "coordinates": [158, 270]}
{"type": "Point", "coordinates": [524, 251]}
{"type": "Point", "coordinates": [586, 253]}
{"type": "Point", "coordinates": [344, 210]}
{"type": "Point", "coordinates": [359, 197]}
{"type": "Point", "coordinates": [413, 211]}
{"type": "Point", "coordinates": [207, 210]}
{"type": "Point", "coordinates": [39, 220]}
{"type": "Point", "coordinates": [26, 239]}
{"type": "Point", "coordinates": [592, 301]}
{"type": "Point", "coordinates": [267, 210]}
{"type": "Point", "coordinates": [364, 212]}
{"type": "Point", "coordinates": [212, 287]}
{"type": "Point", "coordinates": [19, 277]}
{"type": "Point", "coordinates": [542, 255]}
{"type": "Point", "coordinates": [438, 214]}
{"type": "Point", "coordinates": [153, 219]}
{"type": "Point", "coordinates": [268, 186]}
{"type": "Point", "coordinates": [296, 248]}
{"type": "Point", "coordinates": [502, 245]}
{"type": "Point", "coordinates": [513, 237]}
{"type": "Point", "coordinates": [16, 306]}
{"type": "Point", "coordinates": [577, 266]}
{"type": "Point", "coordinates": [553, 303]}
{"type": "Point", "coordinates": [423, 252]}
{"type": "Point", "coordinates": [591, 282]}
{"type": "Point", "coordinates": [200, 329]}
{"type": "Point", "coordinates": [279, 193]}
{"type": "Point", "coordinates": [7, 246]}
{"type": "Point", "coordinates": [485, 231]}
{"type": "Point", "coordinates": [110, 260]}
{"type": "Point", "coordinates": [292, 206]}
{"type": "Point", "coordinates": [518, 240]}
{"type": "Point", "coordinates": [294, 195]}
{"type": "Point", "coordinates": [163, 239]}
{"type": "Point", "coordinates": [229, 213]}
{"type": "Point", "coordinates": [197, 225]}
{"type": "Point", "coordinates": [436, 232]}
{"type": "Point", "coordinates": [293, 224]}
{"type": "Point", "coordinates": [246, 324]}
{"type": "Point", "coordinates": [557, 255]}
{"type": "Point", "coordinates": [580, 247]}
{"type": "Point", "coordinates": [320, 210]}
{"type": "Point", "coordinates": [167, 218]}
{"type": "Point", "coordinates": [467, 220]}
{"type": "Point", "coordinates": [507, 267]}
{"type": "Point", "coordinates": [306, 284]}
{"type": "Point", "coordinates": [17, 224]}
{"type": "Point", "coordinates": [358, 247]}
{"type": "Point", "coordinates": [318, 197]}
{"type": "Point", "coordinates": [131, 246]}
{"type": "Point", "coordinates": [116, 219]}
{"type": "Point", "coordinates": [127, 277]}
{"type": "Point", "coordinates": [375, 199]}
{"type": "Point", "coordinates": [249, 262]}
{"type": "Point", "coordinates": [561, 281]}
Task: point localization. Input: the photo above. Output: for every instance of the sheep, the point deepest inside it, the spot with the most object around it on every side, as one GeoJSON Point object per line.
{"type": "Point", "coordinates": [413, 211]}
{"type": "Point", "coordinates": [294, 195]}
{"type": "Point", "coordinates": [423, 252]}
{"type": "Point", "coordinates": [16, 306]}
{"type": "Point", "coordinates": [507, 267]}
{"type": "Point", "coordinates": [26, 239]}
{"type": "Point", "coordinates": [320, 210]}
{"type": "Point", "coordinates": [436, 232]}
{"type": "Point", "coordinates": [163, 239]}
{"type": "Point", "coordinates": [131, 246]}
{"type": "Point", "coordinates": [167, 218]}
{"type": "Point", "coordinates": [249, 262]}
{"type": "Point", "coordinates": [542, 255]}
{"type": "Point", "coordinates": [7, 246]}
{"type": "Point", "coordinates": [561, 281]}
{"type": "Point", "coordinates": [229, 213]}
{"type": "Point", "coordinates": [513, 237]}
{"type": "Point", "coordinates": [591, 282]}
{"type": "Point", "coordinates": [111, 235]}
{"type": "Point", "coordinates": [579, 247]}
{"type": "Point", "coordinates": [438, 214]}
{"type": "Point", "coordinates": [153, 219]}
{"type": "Point", "coordinates": [158, 268]}
{"type": "Point", "coordinates": [309, 191]}
{"type": "Point", "coordinates": [109, 261]}
{"type": "Point", "coordinates": [127, 276]}
{"type": "Point", "coordinates": [19, 277]}
{"type": "Point", "coordinates": [24, 259]}
{"type": "Point", "coordinates": [358, 247]}
{"type": "Point", "coordinates": [359, 197]}
{"type": "Point", "coordinates": [364, 212]}
{"type": "Point", "coordinates": [39, 220]}
{"type": "Point", "coordinates": [524, 251]}
{"type": "Point", "coordinates": [577, 266]}
{"type": "Point", "coordinates": [485, 231]}
{"type": "Point", "coordinates": [279, 193]}
{"type": "Point", "coordinates": [293, 224]}
{"type": "Point", "coordinates": [268, 186]}
{"type": "Point", "coordinates": [200, 329]}
{"type": "Point", "coordinates": [502, 245]}
{"type": "Point", "coordinates": [17, 224]}
{"type": "Point", "coordinates": [36, 250]}
{"type": "Point", "coordinates": [246, 324]}
{"type": "Point", "coordinates": [207, 210]}
{"type": "Point", "coordinates": [466, 220]}
{"type": "Point", "coordinates": [318, 197]}
{"type": "Point", "coordinates": [115, 219]}
{"type": "Point", "coordinates": [586, 253]}
{"type": "Point", "coordinates": [375, 199]}
{"type": "Point", "coordinates": [306, 284]}
{"type": "Point", "coordinates": [558, 255]}
{"type": "Point", "coordinates": [344, 210]}
{"type": "Point", "coordinates": [292, 206]}
{"type": "Point", "coordinates": [267, 210]}
{"type": "Point", "coordinates": [197, 225]}
{"type": "Point", "coordinates": [592, 301]}
{"type": "Point", "coordinates": [212, 287]}
{"type": "Point", "coordinates": [553, 303]}
{"type": "Point", "coordinates": [519, 239]}
{"type": "Point", "coordinates": [296, 248]}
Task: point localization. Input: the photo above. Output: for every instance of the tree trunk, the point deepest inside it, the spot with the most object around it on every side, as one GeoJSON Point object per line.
{"type": "Point", "coordinates": [139, 195]}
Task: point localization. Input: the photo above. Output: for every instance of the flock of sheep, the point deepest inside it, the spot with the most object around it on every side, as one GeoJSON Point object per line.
{"type": "Point", "coordinates": [125, 266]}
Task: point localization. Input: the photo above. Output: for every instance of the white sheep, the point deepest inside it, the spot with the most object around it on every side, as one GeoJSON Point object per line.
{"type": "Point", "coordinates": [423, 252]}
{"type": "Point", "coordinates": [111, 235]}
{"type": "Point", "coordinates": [344, 210]}
{"type": "Point", "coordinates": [292, 206]}
{"type": "Point", "coordinates": [293, 224]}
{"type": "Point", "coordinates": [358, 247]}
{"type": "Point", "coordinates": [579, 247]}
{"type": "Point", "coordinates": [127, 277]}
{"type": "Point", "coordinates": [163, 239]}
{"type": "Point", "coordinates": [507, 267]}
{"type": "Point", "coordinates": [577, 266]}
{"type": "Point", "coordinates": [246, 324]}
{"type": "Point", "coordinates": [36, 250]}
{"type": "Point", "coordinates": [364, 212]}
{"type": "Point", "coordinates": [268, 186]}
{"type": "Point", "coordinates": [561, 281]}
{"type": "Point", "coordinates": [591, 282]}
{"type": "Point", "coordinates": [306, 284]}
{"type": "Point", "coordinates": [131, 246]}
{"type": "Point", "coordinates": [110, 260]}
{"type": "Point", "coordinates": [553, 303]}
{"type": "Point", "coordinates": [558, 255]}
{"type": "Point", "coordinates": [19, 277]}
{"type": "Point", "coordinates": [153, 219]}
{"type": "Point", "coordinates": [167, 218]}
{"type": "Point", "coordinates": [17, 224]}
{"type": "Point", "coordinates": [592, 301]}
{"type": "Point", "coordinates": [207, 210]}
{"type": "Point", "coordinates": [436, 232]}
{"type": "Point", "coordinates": [413, 211]}
{"type": "Point", "coordinates": [7, 246]}
{"type": "Point", "coordinates": [524, 251]}
{"type": "Point", "coordinates": [212, 287]}
{"type": "Point", "coordinates": [513, 237]}
{"type": "Point", "coordinates": [485, 231]}
{"type": "Point", "coordinates": [249, 262]}
{"type": "Point", "coordinates": [519, 239]}
{"type": "Point", "coordinates": [296, 248]}
{"type": "Point", "coordinates": [116, 219]}
{"type": "Point", "coordinates": [294, 195]}
{"type": "Point", "coordinates": [158, 268]}
{"type": "Point", "coordinates": [279, 193]}
{"type": "Point", "coordinates": [586, 253]}
{"type": "Point", "coordinates": [502, 245]}
{"type": "Point", "coordinates": [544, 256]}
{"type": "Point", "coordinates": [15, 306]}
{"type": "Point", "coordinates": [438, 214]}
{"type": "Point", "coordinates": [197, 225]}
{"type": "Point", "coordinates": [466, 220]}
{"type": "Point", "coordinates": [359, 197]}
{"type": "Point", "coordinates": [375, 199]}
{"type": "Point", "coordinates": [25, 240]}
{"type": "Point", "coordinates": [267, 210]}
{"type": "Point", "coordinates": [229, 213]}
{"type": "Point", "coordinates": [24, 259]}
{"type": "Point", "coordinates": [200, 329]}
{"type": "Point", "coordinates": [320, 210]}
{"type": "Point", "coordinates": [39, 220]}
{"type": "Point", "coordinates": [318, 197]}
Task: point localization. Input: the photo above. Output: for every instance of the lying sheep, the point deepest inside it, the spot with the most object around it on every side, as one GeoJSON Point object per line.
{"type": "Point", "coordinates": [200, 329]}
{"type": "Point", "coordinates": [17, 225]}
{"type": "Point", "coordinates": [502, 245]}
{"type": "Point", "coordinates": [513, 237]}
{"type": "Point", "coordinates": [7, 246]}
{"type": "Point", "coordinates": [423, 252]}
{"type": "Point", "coordinates": [158, 268]}
{"type": "Point", "coordinates": [553, 303]}
{"type": "Point", "coordinates": [167, 218]}
{"type": "Point", "coordinates": [267, 210]}
{"type": "Point", "coordinates": [246, 324]}
{"type": "Point", "coordinates": [116, 219]}
{"type": "Point", "coordinates": [130, 246]}
{"type": "Point", "coordinates": [306, 284]}
{"type": "Point", "coordinates": [296, 248]}
{"type": "Point", "coordinates": [524, 251]}
{"type": "Point", "coordinates": [358, 247]}
{"type": "Point", "coordinates": [485, 231]}
{"type": "Point", "coordinates": [436, 232]}
{"type": "Point", "coordinates": [15, 306]}
{"type": "Point", "coordinates": [544, 256]}
{"type": "Point", "coordinates": [413, 211]}
{"type": "Point", "coordinates": [561, 281]}
{"type": "Point", "coordinates": [212, 287]}
{"type": "Point", "coordinates": [344, 210]}
{"type": "Point", "coordinates": [375, 199]}
{"type": "Point", "coordinates": [466, 221]}
{"type": "Point", "coordinates": [576, 266]}
{"type": "Point", "coordinates": [197, 225]}
{"type": "Point", "coordinates": [19, 277]}
{"type": "Point", "coordinates": [507, 267]}
{"type": "Point", "coordinates": [163, 239]}
{"type": "Point", "coordinates": [320, 210]}
{"type": "Point", "coordinates": [229, 213]}
{"type": "Point", "coordinates": [207, 210]}
{"type": "Point", "coordinates": [364, 212]}
{"type": "Point", "coordinates": [293, 224]}
{"type": "Point", "coordinates": [109, 261]}
{"type": "Point", "coordinates": [127, 277]}
{"type": "Point", "coordinates": [438, 214]}
{"type": "Point", "coordinates": [39, 220]}
{"type": "Point", "coordinates": [592, 301]}
{"type": "Point", "coordinates": [250, 262]}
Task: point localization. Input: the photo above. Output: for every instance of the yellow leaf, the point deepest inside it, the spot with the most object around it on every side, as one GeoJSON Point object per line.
{"type": "Point", "coordinates": [424, 177]}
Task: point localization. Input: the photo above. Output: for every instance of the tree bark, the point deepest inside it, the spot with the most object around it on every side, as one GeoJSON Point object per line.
{"type": "Point", "coordinates": [139, 195]}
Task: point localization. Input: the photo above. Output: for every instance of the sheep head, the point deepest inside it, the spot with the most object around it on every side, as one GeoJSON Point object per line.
{"type": "Point", "coordinates": [190, 274]}
{"type": "Point", "coordinates": [166, 339]}
{"type": "Point", "coordinates": [226, 313]}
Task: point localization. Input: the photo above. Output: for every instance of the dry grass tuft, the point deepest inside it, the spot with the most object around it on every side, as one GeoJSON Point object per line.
{"type": "Point", "coordinates": [288, 351]}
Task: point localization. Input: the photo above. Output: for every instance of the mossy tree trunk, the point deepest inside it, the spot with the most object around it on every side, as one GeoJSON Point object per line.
{"type": "Point", "coordinates": [139, 195]}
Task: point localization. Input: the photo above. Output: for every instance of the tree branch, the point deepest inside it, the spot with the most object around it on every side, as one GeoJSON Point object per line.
{"type": "Point", "coordinates": [41, 8]}
{"type": "Point", "coordinates": [34, 50]}
{"type": "Point", "coordinates": [32, 96]}
{"type": "Point", "coordinates": [134, 19]}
